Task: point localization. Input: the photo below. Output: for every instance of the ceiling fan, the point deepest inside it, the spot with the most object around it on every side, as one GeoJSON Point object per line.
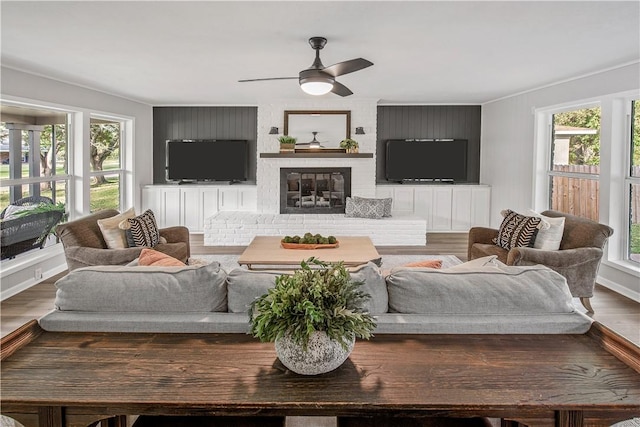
{"type": "Point", "coordinates": [318, 79]}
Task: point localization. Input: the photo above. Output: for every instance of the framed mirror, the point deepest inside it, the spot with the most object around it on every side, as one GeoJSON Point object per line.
{"type": "Point", "coordinates": [330, 126]}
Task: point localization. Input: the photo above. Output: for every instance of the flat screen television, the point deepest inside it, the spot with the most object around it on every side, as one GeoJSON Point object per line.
{"type": "Point", "coordinates": [426, 160]}
{"type": "Point", "coordinates": [207, 160]}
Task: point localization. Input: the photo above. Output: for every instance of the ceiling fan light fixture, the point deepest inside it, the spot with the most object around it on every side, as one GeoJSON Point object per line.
{"type": "Point", "coordinates": [316, 83]}
{"type": "Point", "coordinates": [316, 88]}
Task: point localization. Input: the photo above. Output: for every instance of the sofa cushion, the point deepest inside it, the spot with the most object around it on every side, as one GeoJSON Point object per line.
{"type": "Point", "coordinates": [143, 289]}
{"type": "Point", "coordinates": [364, 208]}
{"type": "Point", "coordinates": [244, 286]}
{"type": "Point", "coordinates": [386, 203]}
{"type": "Point", "coordinates": [144, 229]}
{"type": "Point", "coordinates": [518, 230]}
{"type": "Point", "coordinates": [498, 289]}
{"type": "Point", "coordinates": [549, 239]}
{"type": "Point", "coordinates": [150, 257]}
{"type": "Point", "coordinates": [374, 284]}
{"type": "Point", "coordinates": [112, 233]}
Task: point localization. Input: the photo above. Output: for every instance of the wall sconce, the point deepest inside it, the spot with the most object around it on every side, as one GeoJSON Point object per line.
{"type": "Point", "coordinates": [359, 131]}
{"type": "Point", "coordinates": [274, 131]}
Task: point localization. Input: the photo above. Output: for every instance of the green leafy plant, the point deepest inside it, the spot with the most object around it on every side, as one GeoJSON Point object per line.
{"type": "Point", "coordinates": [309, 238]}
{"type": "Point", "coordinates": [348, 143]}
{"type": "Point", "coordinates": [322, 298]}
{"type": "Point", "coordinates": [42, 207]}
{"type": "Point", "coordinates": [287, 140]}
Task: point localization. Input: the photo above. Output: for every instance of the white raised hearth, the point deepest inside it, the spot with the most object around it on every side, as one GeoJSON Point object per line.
{"type": "Point", "coordinates": [239, 228]}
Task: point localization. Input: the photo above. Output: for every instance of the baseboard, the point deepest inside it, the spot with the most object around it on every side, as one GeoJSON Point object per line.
{"type": "Point", "coordinates": [29, 269]}
{"type": "Point", "coordinates": [622, 290]}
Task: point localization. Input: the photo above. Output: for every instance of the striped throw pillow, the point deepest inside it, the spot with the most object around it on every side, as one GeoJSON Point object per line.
{"type": "Point", "coordinates": [144, 229]}
{"type": "Point", "coordinates": [517, 230]}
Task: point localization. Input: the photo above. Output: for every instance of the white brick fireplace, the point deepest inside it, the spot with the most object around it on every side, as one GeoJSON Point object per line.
{"type": "Point", "coordinates": [363, 170]}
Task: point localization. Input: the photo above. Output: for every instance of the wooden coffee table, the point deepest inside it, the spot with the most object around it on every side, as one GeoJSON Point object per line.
{"type": "Point", "coordinates": [266, 252]}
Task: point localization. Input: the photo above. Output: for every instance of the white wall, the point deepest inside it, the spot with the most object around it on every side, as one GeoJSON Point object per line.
{"type": "Point", "coordinates": [508, 148]}
{"type": "Point", "coordinates": [19, 273]}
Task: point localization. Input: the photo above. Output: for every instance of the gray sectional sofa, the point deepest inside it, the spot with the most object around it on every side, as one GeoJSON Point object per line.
{"type": "Point", "coordinates": [479, 297]}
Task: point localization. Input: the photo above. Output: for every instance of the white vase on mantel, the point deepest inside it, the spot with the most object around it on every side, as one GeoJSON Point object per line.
{"type": "Point", "coordinates": [322, 355]}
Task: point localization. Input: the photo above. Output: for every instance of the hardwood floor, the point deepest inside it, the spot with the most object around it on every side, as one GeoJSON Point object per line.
{"type": "Point", "coordinates": [612, 309]}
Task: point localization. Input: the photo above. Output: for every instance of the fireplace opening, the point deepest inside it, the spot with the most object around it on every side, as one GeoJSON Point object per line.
{"type": "Point", "coordinates": [314, 190]}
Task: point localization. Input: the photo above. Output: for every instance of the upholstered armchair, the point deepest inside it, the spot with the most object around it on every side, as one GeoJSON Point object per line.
{"type": "Point", "coordinates": [85, 246]}
{"type": "Point", "coordinates": [578, 258]}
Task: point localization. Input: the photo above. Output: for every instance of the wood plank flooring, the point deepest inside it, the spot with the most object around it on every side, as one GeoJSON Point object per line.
{"type": "Point", "coordinates": [612, 309]}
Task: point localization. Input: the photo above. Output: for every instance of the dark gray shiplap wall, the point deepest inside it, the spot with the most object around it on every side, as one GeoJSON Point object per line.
{"type": "Point", "coordinates": [202, 123]}
{"type": "Point", "coordinates": [430, 121]}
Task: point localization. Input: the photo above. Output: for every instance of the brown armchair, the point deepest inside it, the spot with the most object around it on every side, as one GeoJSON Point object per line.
{"type": "Point", "coordinates": [84, 245]}
{"type": "Point", "coordinates": [578, 258]}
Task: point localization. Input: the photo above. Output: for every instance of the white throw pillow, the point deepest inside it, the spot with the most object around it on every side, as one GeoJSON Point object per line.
{"type": "Point", "coordinates": [549, 239]}
{"type": "Point", "coordinates": [111, 232]}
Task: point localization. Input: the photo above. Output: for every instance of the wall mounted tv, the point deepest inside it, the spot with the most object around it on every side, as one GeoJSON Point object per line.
{"type": "Point", "coordinates": [426, 160]}
{"type": "Point", "coordinates": [207, 160]}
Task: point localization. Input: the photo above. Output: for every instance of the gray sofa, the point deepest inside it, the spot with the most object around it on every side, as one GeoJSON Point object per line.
{"type": "Point", "coordinates": [478, 297]}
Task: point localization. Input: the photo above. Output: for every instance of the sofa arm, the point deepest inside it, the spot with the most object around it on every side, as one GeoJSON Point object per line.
{"type": "Point", "coordinates": [480, 235]}
{"type": "Point", "coordinates": [579, 266]}
{"type": "Point", "coordinates": [78, 256]}
{"type": "Point", "coordinates": [177, 234]}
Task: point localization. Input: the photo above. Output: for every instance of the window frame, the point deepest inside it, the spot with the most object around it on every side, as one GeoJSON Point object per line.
{"type": "Point", "coordinates": [120, 171]}
{"type": "Point", "coordinates": [629, 180]}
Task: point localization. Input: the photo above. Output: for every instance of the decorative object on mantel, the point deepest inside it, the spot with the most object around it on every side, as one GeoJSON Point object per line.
{"type": "Point", "coordinates": [360, 131]}
{"type": "Point", "coordinates": [350, 145]}
{"type": "Point", "coordinates": [314, 317]}
{"type": "Point", "coordinates": [309, 241]}
{"type": "Point", "coordinates": [287, 144]}
{"type": "Point", "coordinates": [274, 130]}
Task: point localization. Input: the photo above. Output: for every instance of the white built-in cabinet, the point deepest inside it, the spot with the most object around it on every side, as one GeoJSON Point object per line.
{"type": "Point", "coordinates": [445, 207]}
{"type": "Point", "coordinates": [190, 205]}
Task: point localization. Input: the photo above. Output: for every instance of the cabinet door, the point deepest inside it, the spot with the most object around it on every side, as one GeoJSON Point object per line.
{"type": "Point", "coordinates": [248, 199]}
{"type": "Point", "coordinates": [441, 212]}
{"type": "Point", "coordinates": [423, 204]}
{"type": "Point", "coordinates": [152, 199]}
{"type": "Point", "coordinates": [190, 207]}
{"type": "Point", "coordinates": [208, 204]}
{"type": "Point", "coordinates": [171, 207]}
{"type": "Point", "coordinates": [461, 208]}
{"type": "Point", "coordinates": [480, 207]}
{"type": "Point", "coordinates": [403, 200]}
{"type": "Point", "coordinates": [228, 199]}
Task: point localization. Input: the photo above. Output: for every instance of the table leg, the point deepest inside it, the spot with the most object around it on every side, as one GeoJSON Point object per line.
{"type": "Point", "coordinates": [569, 419]}
{"type": "Point", "coordinates": [50, 416]}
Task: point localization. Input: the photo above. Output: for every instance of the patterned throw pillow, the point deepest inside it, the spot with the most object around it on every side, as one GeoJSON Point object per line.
{"type": "Point", "coordinates": [386, 202]}
{"type": "Point", "coordinates": [364, 208]}
{"type": "Point", "coordinates": [517, 230]}
{"type": "Point", "coordinates": [144, 229]}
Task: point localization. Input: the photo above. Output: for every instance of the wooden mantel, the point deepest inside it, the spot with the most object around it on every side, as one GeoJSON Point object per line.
{"type": "Point", "coordinates": [316, 155]}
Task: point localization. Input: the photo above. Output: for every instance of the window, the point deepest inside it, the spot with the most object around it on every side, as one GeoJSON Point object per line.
{"type": "Point", "coordinates": [33, 154]}
{"type": "Point", "coordinates": [575, 162]}
{"type": "Point", "coordinates": [105, 163]}
{"type": "Point", "coordinates": [633, 185]}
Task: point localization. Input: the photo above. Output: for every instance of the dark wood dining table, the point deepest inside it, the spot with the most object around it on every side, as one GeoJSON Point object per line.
{"type": "Point", "coordinates": [73, 379]}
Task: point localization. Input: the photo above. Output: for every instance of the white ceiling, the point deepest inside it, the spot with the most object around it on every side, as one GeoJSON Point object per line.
{"type": "Point", "coordinates": [193, 53]}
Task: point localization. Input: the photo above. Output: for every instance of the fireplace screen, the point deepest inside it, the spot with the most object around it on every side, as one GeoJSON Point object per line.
{"type": "Point", "coordinates": [314, 190]}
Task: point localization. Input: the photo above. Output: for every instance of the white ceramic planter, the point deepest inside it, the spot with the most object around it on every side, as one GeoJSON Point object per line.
{"type": "Point", "coordinates": [322, 354]}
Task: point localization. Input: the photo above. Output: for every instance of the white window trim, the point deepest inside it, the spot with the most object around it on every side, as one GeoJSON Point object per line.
{"type": "Point", "coordinates": [613, 157]}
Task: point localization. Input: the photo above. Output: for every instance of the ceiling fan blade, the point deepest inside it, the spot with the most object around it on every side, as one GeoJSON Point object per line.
{"type": "Point", "coordinates": [270, 78]}
{"type": "Point", "coordinates": [340, 89]}
{"type": "Point", "coordinates": [347, 67]}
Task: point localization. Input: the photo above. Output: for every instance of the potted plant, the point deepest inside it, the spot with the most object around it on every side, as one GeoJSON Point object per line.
{"type": "Point", "coordinates": [351, 145]}
{"type": "Point", "coordinates": [314, 316]}
{"type": "Point", "coordinates": [287, 143]}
